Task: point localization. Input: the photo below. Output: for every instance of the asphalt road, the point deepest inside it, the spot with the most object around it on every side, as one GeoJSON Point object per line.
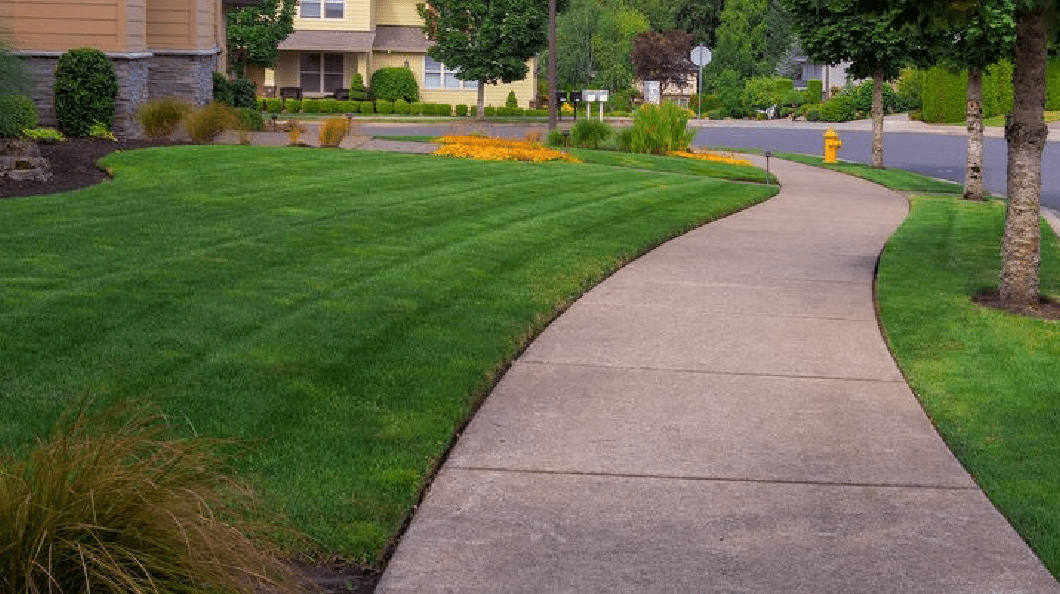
{"type": "Point", "coordinates": [940, 156]}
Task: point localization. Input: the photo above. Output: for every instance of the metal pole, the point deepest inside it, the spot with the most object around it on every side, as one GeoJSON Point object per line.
{"type": "Point", "coordinates": [699, 96]}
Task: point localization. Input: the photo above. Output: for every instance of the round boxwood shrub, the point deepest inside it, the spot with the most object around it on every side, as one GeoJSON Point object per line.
{"type": "Point", "coordinates": [17, 113]}
{"type": "Point", "coordinates": [402, 107]}
{"type": "Point", "coordinates": [85, 89]}
{"type": "Point", "coordinates": [244, 92]}
{"type": "Point", "coordinates": [461, 110]}
{"type": "Point", "coordinates": [222, 91]}
{"type": "Point", "coordinates": [395, 83]}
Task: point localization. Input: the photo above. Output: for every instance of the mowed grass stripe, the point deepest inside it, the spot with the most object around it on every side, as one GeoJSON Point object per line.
{"type": "Point", "coordinates": [345, 329]}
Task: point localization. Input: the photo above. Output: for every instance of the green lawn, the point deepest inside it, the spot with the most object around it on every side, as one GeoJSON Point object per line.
{"type": "Point", "coordinates": [987, 379]}
{"type": "Point", "coordinates": [895, 179]}
{"type": "Point", "coordinates": [342, 311]}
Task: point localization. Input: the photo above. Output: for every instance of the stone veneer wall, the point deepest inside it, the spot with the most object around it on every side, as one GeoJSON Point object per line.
{"type": "Point", "coordinates": [140, 78]}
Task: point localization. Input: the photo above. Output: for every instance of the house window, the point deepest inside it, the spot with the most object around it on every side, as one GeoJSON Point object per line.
{"type": "Point", "coordinates": [437, 76]}
{"type": "Point", "coordinates": [320, 73]}
{"type": "Point", "coordinates": [311, 9]}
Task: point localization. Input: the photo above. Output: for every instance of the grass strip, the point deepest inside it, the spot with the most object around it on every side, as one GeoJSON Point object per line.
{"type": "Point", "coordinates": [986, 378]}
{"type": "Point", "coordinates": [341, 311]}
{"type": "Point", "coordinates": [895, 179]}
{"type": "Point", "coordinates": [672, 165]}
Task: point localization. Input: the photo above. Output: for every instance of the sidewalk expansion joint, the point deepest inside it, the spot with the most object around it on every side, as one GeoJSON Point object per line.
{"type": "Point", "coordinates": [718, 479]}
{"type": "Point", "coordinates": [873, 380]}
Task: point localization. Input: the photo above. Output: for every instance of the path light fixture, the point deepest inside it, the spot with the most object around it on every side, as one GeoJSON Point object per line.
{"type": "Point", "coordinates": [768, 154]}
{"type": "Point", "coordinates": [275, 125]}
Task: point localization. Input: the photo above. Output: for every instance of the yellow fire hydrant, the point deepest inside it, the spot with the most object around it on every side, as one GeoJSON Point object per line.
{"type": "Point", "coordinates": [831, 145]}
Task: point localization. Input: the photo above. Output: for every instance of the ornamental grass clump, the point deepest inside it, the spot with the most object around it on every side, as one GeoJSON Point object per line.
{"type": "Point", "coordinates": [205, 124]}
{"type": "Point", "coordinates": [589, 133]}
{"type": "Point", "coordinates": [332, 131]}
{"type": "Point", "coordinates": [494, 149]}
{"type": "Point", "coordinates": [160, 117]}
{"type": "Point", "coordinates": [109, 504]}
{"type": "Point", "coordinates": [660, 129]}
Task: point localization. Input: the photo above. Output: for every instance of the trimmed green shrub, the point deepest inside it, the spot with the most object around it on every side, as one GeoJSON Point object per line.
{"type": "Point", "coordinates": [540, 113]}
{"type": "Point", "coordinates": [944, 93]}
{"type": "Point", "coordinates": [814, 92]}
{"type": "Point", "coordinates": [274, 105]}
{"type": "Point", "coordinates": [85, 89]}
{"type": "Point", "coordinates": [472, 111]}
{"type": "Point", "coordinates": [716, 114]}
{"type": "Point", "coordinates": [589, 133]}
{"type": "Point", "coordinates": [489, 111]}
{"type": "Point", "coordinates": [558, 138]}
{"type": "Point", "coordinates": [909, 88]}
{"type": "Point", "coordinates": [443, 109]}
{"type": "Point", "coordinates": [17, 113]}
{"type": "Point", "coordinates": [357, 90]}
{"type": "Point", "coordinates": [416, 108]}
{"type": "Point", "coordinates": [841, 108]}
{"type": "Point", "coordinates": [511, 101]}
{"type": "Point", "coordinates": [249, 119]}
{"type": "Point", "coordinates": [263, 104]}
{"type": "Point", "coordinates": [329, 106]}
{"type": "Point", "coordinates": [402, 107]}
{"type": "Point", "coordinates": [395, 82]}
{"type": "Point", "coordinates": [244, 92]}
{"type": "Point", "coordinates": [160, 117]}
{"type": "Point", "coordinates": [295, 105]}
{"type": "Point", "coordinates": [461, 110]}
{"type": "Point", "coordinates": [367, 107]}
{"type": "Point", "coordinates": [383, 106]}
{"type": "Point", "coordinates": [660, 129]}
{"type": "Point", "coordinates": [222, 92]}
{"type": "Point", "coordinates": [997, 89]}
{"type": "Point", "coordinates": [625, 139]}
{"type": "Point", "coordinates": [862, 96]}
{"type": "Point", "coordinates": [813, 112]}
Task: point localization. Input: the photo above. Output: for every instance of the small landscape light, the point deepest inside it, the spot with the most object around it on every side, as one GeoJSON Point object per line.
{"type": "Point", "coordinates": [768, 154]}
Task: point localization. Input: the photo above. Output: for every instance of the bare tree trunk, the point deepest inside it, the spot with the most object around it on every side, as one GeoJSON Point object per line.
{"type": "Point", "coordinates": [480, 111]}
{"type": "Point", "coordinates": [1026, 134]}
{"type": "Point", "coordinates": [553, 76]}
{"type": "Point", "coordinates": [973, 171]}
{"type": "Point", "coordinates": [877, 120]}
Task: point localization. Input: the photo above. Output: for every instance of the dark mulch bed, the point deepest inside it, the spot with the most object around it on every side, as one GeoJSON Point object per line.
{"type": "Point", "coordinates": [1047, 309]}
{"type": "Point", "coordinates": [73, 166]}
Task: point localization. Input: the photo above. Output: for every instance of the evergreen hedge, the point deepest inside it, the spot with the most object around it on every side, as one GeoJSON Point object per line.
{"type": "Point", "coordinates": [814, 91]}
{"type": "Point", "coordinates": [85, 89]}
{"type": "Point", "coordinates": [394, 83]}
{"type": "Point", "coordinates": [945, 92]}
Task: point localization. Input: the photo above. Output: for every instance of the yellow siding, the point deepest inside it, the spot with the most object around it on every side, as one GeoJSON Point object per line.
{"type": "Point", "coordinates": [357, 16]}
{"type": "Point", "coordinates": [397, 12]}
{"type": "Point", "coordinates": [495, 95]}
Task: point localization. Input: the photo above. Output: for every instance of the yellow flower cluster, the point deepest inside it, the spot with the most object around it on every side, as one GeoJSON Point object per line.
{"type": "Point", "coordinates": [495, 149]}
{"type": "Point", "coordinates": [716, 158]}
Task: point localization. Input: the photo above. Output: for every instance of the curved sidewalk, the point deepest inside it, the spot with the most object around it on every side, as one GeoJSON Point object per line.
{"type": "Point", "coordinates": [721, 415]}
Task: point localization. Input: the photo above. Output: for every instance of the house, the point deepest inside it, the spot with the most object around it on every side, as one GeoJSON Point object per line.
{"type": "Point", "coordinates": [159, 48]}
{"type": "Point", "coordinates": [831, 77]}
{"type": "Point", "coordinates": [333, 39]}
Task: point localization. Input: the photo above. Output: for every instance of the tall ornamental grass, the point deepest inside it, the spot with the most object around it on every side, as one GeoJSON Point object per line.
{"type": "Point", "coordinates": [660, 129]}
{"type": "Point", "coordinates": [108, 504]}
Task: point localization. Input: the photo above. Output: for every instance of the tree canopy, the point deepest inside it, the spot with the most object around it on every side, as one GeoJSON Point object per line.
{"type": "Point", "coordinates": [663, 56]}
{"type": "Point", "coordinates": [255, 32]}
{"type": "Point", "coordinates": [752, 37]}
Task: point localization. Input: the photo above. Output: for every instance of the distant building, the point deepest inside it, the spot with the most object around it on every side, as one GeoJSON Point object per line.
{"type": "Point", "coordinates": [159, 48]}
{"type": "Point", "coordinates": [831, 77]}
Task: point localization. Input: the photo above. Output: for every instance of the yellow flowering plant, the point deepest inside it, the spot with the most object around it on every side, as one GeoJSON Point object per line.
{"type": "Point", "coordinates": [729, 158]}
{"type": "Point", "coordinates": [496, 149]}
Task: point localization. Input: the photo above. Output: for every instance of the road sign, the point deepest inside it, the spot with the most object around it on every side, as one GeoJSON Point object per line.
{"type": "Point", "coordinates": [701, 55]}
{"type": "Point", "coordinates": [652, 90]}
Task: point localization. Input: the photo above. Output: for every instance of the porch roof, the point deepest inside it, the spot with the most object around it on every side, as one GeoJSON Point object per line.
{"type": "Point", "coordinates": [329, 41]}
{"type": "Point", "coordinates": [400, 39]}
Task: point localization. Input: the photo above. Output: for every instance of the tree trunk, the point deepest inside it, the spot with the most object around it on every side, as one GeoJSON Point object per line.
{"type": "Point", "coordinates": [480, 111]}
{"type": "Point", "coordinates": [553, 76]}
{"type": "Point", "coordinates": [973, 171]}
{"type": "Point", "coordinates": [877, 120]}
{"type": "Point", "coordinates": [1026, 134]}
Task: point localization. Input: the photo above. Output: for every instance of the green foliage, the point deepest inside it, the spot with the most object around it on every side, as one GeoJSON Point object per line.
{"type": "Point", "coordinates": [997, 89]}
{"type": "Point", "coordinates": [396, 82]}
{"type": "Point", "coordinates": [558, 138]}
{"type": "Point", "coordinates": [328, 106]}
{"type": "Point", "coordinates": [841, 108]}
{"type": "Point", "coordinates": [489, 111]}
{"type": "Point", "coordinates": [244, 93]}
{"type": "Point", "coordinates": [367, 107]}
{"type": "Point", "coordinates": [716, 114]}
{"type": "Point", "coordinates": [461, 110]}
{"type": "Point", "coordinates": [752, 38]}
{"type": "Point", "coordinates": [274, 104]}
{"type": "Point", "coordinates": [249, 119]}
{"type": "Point", "coordinates": [944, 92]}
{"type": "Point", "coordinates": [445, 109]}
{"type": "Point", "coordinates": [222, 91]}
{"type": "Point", "coordinates": [910, 88]}
{"type": "Point", "coordinates": [357, 90]}
{"type": "Point", "coordinates": [160, 117]}
{"type": "Point", "coordinates": [662, 56]}
{"type": "Point", "coordinates": [1052, 85]}
{"type": "Point", "coordinates": [255, 32]}
{"type": "Point", "coordinates": [588, 133]}
{"type": "Point", "coordinates": [14, 77]}
{"type": "Point", "coordinates": [402, 107]}
{"type": "Point", "coordinates": [764, 91]}
{"type": "Point", "coordinates": [862, 96]}
{"type": "Point", "coordinates": [814, 91]}
{"type": "Point", "coordinates": [43, 134]}
{"type": "Point", "coordinates": [596, 37]}
{"type": "Point", "coordinates": [101, 131]}
{"type": "Point", "coordinates": [85, 89]}
{"type": "Point", "coordinates": [511, 101]}
{"type": "Point", "coordinates": [298, 105]}
{"type": "Point", "coordinates": [660, 129]}
{"type": "Point", "coordinates": [17, 113]}
{"type": "Point", "coordinates": [347, 106]}
{"type": "Point", "coordinates": [383, 106]}
{"type": "Point", "coordinates": [488, 42]}
{"type": "Point", "coordinates": [205, 124]}
{"type": "Point", "coordinates": [112, 502]}
{"type": "Point", "coordinates": [730, 91]}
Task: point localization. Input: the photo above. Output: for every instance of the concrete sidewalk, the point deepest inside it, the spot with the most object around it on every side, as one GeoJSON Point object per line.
{"type": "Point", "coordinates": [722, 415]}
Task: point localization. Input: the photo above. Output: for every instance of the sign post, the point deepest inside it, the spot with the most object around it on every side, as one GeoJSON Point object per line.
{"type": "Point", "coordinates": [700, 57]}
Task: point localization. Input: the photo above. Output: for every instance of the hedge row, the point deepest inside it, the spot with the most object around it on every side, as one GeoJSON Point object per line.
{"type": "Point", "coordinates": [401, 107]}
{"type": "Point", "coordinates": [945, 92]}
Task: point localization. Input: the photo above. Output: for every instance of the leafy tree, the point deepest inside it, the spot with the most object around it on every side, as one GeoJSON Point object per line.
{"type": "Point", "coordinates": [752, 38]}
{"type": "Point", "coordinates": [595, 41]}
{"type": "Point", "coordinates": [701, 18]}
{"type": "Point", "coordinates": [487, 40]}
{"type": "Point", "coordinates": [255, 32]}
{"type": "Point", "coordinates": [660, 13]}
{"type": "Point", "coordinates": [874, 42]}
{"type": "Point", "coordinates": [663, 56]}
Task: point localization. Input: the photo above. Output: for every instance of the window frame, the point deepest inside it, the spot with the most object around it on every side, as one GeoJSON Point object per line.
{"type": "Point", "coordinates": [444, 75]}
{"type": "Point", "coordinates": [322, 8]}
{"type": "Point", "coordinates": [322, 73]}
